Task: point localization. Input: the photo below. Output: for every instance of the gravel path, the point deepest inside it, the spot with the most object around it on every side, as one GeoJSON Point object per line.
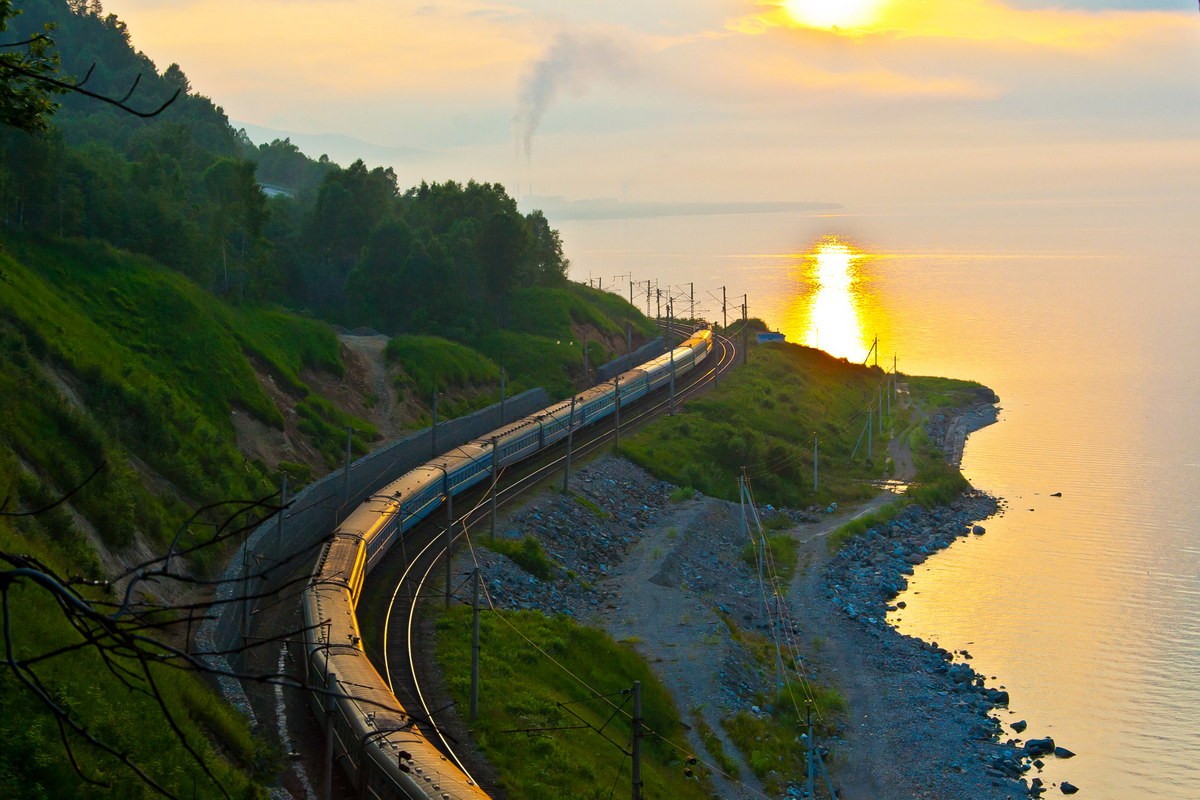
{"type": "Point", "coordinates": [670, 577]}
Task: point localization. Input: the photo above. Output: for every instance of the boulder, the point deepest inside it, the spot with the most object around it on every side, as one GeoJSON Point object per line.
{"type": "Point", "coordinates": [979, 530]}
{"type": "Point", "coordinates": [1062, 752]}
{"type": "Point", "coordinates": [1039, 747]}
{"type": "Point", "coordinates": [1019, 726]}
{"type": "Point", "coordinates": [1066, 787]}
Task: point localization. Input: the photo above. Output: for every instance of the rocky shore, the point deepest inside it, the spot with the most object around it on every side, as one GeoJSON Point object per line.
{"type": "Point", "coordinates": [670, 576]}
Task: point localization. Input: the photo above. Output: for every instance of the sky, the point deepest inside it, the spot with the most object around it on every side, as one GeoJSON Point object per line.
{"type": "Point", "coordinates": [857, 102]}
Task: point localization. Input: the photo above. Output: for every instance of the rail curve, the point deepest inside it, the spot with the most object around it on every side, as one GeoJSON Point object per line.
{"type": "Point", "coordinates": [381, 746]}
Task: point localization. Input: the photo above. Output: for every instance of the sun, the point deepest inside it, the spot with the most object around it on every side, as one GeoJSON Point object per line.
{"type": "Point", "coordinates": [832, 13]}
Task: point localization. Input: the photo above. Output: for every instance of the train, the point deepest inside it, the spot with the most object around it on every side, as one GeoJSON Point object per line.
{"type": "Point", "coordinates": [380, 747]}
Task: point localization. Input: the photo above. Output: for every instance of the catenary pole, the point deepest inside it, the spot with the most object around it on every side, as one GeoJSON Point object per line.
{"type": "Point", "coordinates": [433, 430]}
{"type": "Point", "coordinates": [495, 478]}
{"type": "Point", "coordinates": [475, 645]}
{"type": "Point", "coordinates": [279, 525]}
{"type": "Point", "coordinates": [617, 412]}
{"type": "Point", "coordinates": [570, 444]}
{"type": "Point", "coordinates": [449, 535]}
{"type": "Point", "coordinates": [346, 472]}
{"type": "Point", "coordinates": [815, 463]}
{"type": "Point", "coordinates": [637, 740]}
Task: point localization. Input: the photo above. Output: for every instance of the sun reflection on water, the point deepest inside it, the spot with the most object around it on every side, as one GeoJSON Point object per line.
{"type": "Point", "coordinates": [829, 315]}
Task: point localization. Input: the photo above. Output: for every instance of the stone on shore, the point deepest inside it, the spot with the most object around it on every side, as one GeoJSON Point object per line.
{"type": "Point", "coordinates": [1039, 747]}
{"type": "Point", "coordinates": [1066, 787]}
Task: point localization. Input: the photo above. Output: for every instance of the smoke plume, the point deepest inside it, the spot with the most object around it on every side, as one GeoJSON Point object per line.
{"type": "Point", "coordinates": [573, 62]}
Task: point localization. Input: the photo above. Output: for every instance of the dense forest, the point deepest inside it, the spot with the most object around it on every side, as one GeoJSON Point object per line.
{"type": "Point", "coordinates": [167, 358]}
{"type": "Point", "coordinates": [183, 187]}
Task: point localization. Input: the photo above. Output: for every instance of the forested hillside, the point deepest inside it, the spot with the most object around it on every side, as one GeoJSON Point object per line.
{"type": "Point", "coordinates": [169, 345]}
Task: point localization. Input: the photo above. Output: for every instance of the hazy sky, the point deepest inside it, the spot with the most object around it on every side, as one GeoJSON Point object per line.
{"type": "Point", "coordinates": [913, 101]}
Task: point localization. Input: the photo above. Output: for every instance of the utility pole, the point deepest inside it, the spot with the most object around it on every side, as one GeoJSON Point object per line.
{"type": "Point", "coordinates": [449, 526]}
{"type": "Point", "coordinates": [433, 430]}
{"type": "Point", "coordinates": [475, 646]}
{"type": "Point", "coordinates": [671, 407]}
{"type": "Point", "coordinates": [495, 478]}
{"type": "Point", "coordinates": [503, 391]}
{"type": "Point", "coordinates": [724, 314]}
{"type": "Point", "coordinates": [745, 332]}
{"type": "Point", "coordinates": [692, 294]}
{"type": "Point", "coordinates": [449, 542]}
{"type": "Point", "coordinates": [647, 297]}
{"type": "Point", "coordinates": [670, 315]}
{"type": "Point", "coordinates": [279, 526]}
{"type": "Point", "coordinates": [617, 410]}
{"type": "Point", "coordinates": [658, 305]}
{"type": "Point", "coordinates": [670, 319]}
{"type": "Point", "coordinates": [629, 277]}
{"type": "Point", "coordinates": [870, 424]}
{"type": "Point", "coordinates": [330, 688]}
{"type": "Point", "coordinates": [881, 413]}
{"type": "Point", "coordinates": [895, 377]}
{"type": "Point", "coordinates": [346, 471]}
{"type": "Point", "coordinates": [815, 463]}
{"type": "Point", "coordinates": [637, 740]}
{"type": "Point", "coordinates": [570, 444]}
{"type": "Point", "coordinates": [810, 767]}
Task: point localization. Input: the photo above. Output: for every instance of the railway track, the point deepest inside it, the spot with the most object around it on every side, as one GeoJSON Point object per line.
{"type": "Point", "coordinates": [414, 563]}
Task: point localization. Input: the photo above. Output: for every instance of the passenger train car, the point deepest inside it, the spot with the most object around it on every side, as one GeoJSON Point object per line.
{"type": "Point", "coordinates": [380, 747]}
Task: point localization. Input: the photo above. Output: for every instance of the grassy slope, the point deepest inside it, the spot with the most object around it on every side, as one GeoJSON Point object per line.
{"type": "Point", "coordinates": [763, 418]}
{"type": "Point", "coordinates": [540, 347]}
{"type": "Point", "coordinates": [109, 358]}
{"type": "Point", "coordinates": [32, 763]}
{"type": "Point", "coordinates": [522, 689]}
{"type": "Point", "coordinates": [936, 482]}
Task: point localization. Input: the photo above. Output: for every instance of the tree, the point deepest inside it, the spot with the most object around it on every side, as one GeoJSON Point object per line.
{"type": "Point", "coordinates": [31, 74]}
{"type": "Point", "coordinates": [28, 77]}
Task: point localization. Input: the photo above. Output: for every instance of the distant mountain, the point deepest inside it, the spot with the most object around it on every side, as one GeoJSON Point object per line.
{"type": "Point", "coordinates": [560, 208]}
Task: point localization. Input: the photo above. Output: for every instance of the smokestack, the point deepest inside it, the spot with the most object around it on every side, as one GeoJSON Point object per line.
{"type": "Point", "coordinates": [572, 62]}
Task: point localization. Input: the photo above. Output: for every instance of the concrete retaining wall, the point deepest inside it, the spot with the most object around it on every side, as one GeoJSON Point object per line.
{"type": "Point", "coordinates": [651, 350]}
{"type": "Point", "coordinates": [314, 513]}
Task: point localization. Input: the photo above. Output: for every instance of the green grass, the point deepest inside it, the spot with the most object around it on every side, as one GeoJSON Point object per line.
{"type": "Point", "coordinates": [590, 506]}
{"type": "Point", "coordinates": [159, 368]}
{"type": "Point", "coordinates": [934, 392]}
{"type": "Point", "coordinates": [432, 364]}
{"type": "Point", "coordinates": [33, 761]}
{"type": "Point", "coordinates": [681, 494]}
{"type": "Point", "coordinates": [856, 527]}
{"type": "Point", "coordinates": [527, 553]}
{"type": "Point", "coordinates": [552, 312]}
{"type": "Point", "coordinates": [936, 482]}
{"type": "Point", "coordinates": [770, 741]}
{"type": "Point", "coordinates": [524, 695]}
{"type": "Point", "coordinates": [713, 744]}
{"type": "Point", "coordinates": [763, 417]}
{"type": "Point", "coordinates": [553, 364]}
{"type": "Point", "coordinates": [784, 554]}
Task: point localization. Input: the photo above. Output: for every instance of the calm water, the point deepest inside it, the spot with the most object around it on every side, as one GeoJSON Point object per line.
{"type": "Point", "coordinates": [1085, 320]}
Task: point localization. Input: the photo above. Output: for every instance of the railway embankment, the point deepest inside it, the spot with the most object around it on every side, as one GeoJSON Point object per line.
{"type": "Point", "coordinates": [663, 570]}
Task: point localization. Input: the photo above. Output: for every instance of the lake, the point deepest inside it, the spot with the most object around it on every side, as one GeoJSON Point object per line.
{"type": "Point", "coordinates": [1084, 318]}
